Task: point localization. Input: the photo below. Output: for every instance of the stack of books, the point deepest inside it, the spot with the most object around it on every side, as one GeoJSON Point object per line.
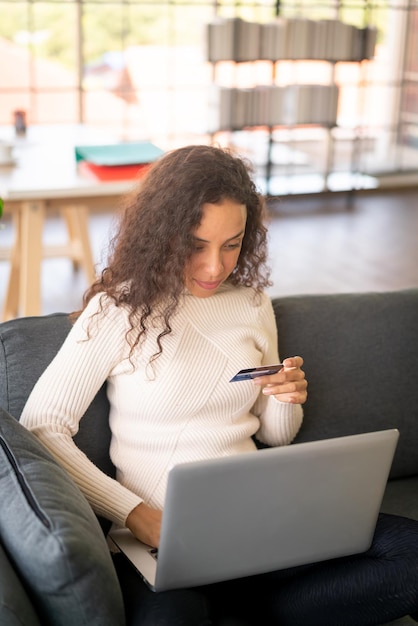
{"type": "Point", "coordinates": [234, 39]}
{"type": "Point", "coordinates": [121, 161]}
{"type": "Point", "coordinates": [273, 105]}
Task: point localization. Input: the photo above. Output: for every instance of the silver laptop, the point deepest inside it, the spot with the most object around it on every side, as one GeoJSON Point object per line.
{"type": "Point", "coordinates": [267, 510]}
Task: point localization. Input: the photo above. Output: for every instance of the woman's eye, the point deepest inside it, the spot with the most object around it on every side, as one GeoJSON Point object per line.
{"type": "Point", "coordinates": [232, 246]}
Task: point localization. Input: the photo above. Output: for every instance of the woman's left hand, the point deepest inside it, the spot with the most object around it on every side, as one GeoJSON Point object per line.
{"type": "Point", "coordinates": [287, 385]}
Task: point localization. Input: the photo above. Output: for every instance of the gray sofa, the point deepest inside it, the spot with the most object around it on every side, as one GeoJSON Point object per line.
{"type": "Point", "coordinates": [361, 360]}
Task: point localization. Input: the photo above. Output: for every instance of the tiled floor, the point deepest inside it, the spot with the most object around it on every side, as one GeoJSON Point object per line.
{"type": "Point", "coordinates": [318, 246]}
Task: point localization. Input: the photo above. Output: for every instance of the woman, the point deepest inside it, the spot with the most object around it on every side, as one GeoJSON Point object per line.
{"type": "Point", "coordinates": [178, 310]}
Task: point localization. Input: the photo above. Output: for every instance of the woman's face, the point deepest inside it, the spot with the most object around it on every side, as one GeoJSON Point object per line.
{"type": "Point", "coordinates": [217, 245]}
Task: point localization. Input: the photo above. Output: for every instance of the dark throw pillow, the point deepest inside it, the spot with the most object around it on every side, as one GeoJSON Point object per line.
{"type": "Point", "coordinates": [15, 607]}
{"type": "Point", "coordinates": [52, 536]}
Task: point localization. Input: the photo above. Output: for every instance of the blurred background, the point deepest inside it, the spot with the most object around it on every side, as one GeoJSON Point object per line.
{"type": "Point", "coordinates": [147, 70]}
{"type": "Point", "coordinates": [142, 67]}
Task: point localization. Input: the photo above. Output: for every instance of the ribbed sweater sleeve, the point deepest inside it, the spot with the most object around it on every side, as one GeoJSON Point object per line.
{"type": "Point", "coordinates": [64, 392]}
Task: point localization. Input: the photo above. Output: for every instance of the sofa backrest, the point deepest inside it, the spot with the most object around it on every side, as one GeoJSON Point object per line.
{"type": "Point", "coordinates": [27, 345]}
{"type": "Point", "coordinates": [361, 362]}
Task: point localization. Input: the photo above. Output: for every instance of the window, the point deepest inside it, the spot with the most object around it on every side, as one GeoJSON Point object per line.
{"type": "Point", "coordinates": [140, 66]}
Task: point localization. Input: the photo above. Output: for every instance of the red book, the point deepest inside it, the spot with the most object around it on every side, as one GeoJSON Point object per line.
{"type": "Point", "coordinates": [121, 161]}
{"type": "Point", "coordinates": [112, 172]}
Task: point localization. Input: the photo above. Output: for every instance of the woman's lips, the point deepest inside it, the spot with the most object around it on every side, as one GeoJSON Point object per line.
{"type": "Point", "coordinates": [208, 286]}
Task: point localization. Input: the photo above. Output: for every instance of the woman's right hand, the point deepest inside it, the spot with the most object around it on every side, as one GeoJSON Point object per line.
{"type": "Point", "coordinates": [145, 523]}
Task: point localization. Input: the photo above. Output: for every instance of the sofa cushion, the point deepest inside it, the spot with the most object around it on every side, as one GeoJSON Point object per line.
{"type": "Point", "coordinates": [27, 345]}
{"type": "Point", "coordinates": [361, 361]}
{"type": "Point", "coordinates": [52, 536]}
{"type": "Point", "coordinates": [15, 607]}
{"type": "Point", "coordinates": [401, 497]}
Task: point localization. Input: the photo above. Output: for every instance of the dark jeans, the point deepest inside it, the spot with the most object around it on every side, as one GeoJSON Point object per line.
{"type": "Point", "coordinates": [374, 587]}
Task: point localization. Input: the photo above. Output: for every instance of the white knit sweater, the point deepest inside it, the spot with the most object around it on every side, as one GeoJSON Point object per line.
{"type": "Point", "coordinates": [183, 409]}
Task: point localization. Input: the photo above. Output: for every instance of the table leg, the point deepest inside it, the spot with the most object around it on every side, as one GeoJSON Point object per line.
{"type": "Point", "coordinates": [23, 294]}
{"type": "Point", "coordinates": [76, 218]}
{"type": "Point", "coordinates": [32, 220]}
{"type": "Point", "coordinates": [11, 303]}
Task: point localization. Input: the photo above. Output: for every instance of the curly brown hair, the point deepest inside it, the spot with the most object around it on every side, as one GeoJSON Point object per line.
{"type": "Point", "coordinates": [154, 238]}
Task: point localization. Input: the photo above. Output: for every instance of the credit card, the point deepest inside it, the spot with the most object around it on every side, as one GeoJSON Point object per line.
{"type": "Point", "coordinates": [254, 372]}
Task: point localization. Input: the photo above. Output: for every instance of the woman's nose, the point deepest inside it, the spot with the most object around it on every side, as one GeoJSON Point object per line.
{"type": "Point", "coordinates": [214, 264]}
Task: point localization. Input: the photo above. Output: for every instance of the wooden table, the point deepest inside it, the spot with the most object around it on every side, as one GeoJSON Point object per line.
{"type": "Point", "coordinates": [43, 180]}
